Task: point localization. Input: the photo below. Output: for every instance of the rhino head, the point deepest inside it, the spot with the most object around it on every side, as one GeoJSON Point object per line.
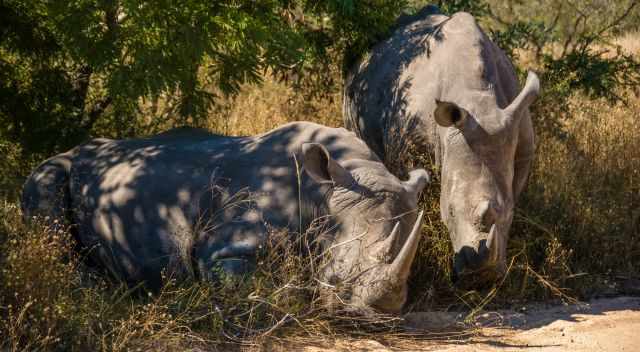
{"type": "Point", "coordinates": [376, 232]}
{"type": "Point", "coordinates": [483, 171]}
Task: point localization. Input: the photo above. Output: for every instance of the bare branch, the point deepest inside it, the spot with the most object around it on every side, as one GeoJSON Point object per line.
{"type": "Point", "coordinates": [619, 19]}
{"type": "Point", "coordinates": [95, 113]}
{"type": "Point", "coordinates": [569, 40]}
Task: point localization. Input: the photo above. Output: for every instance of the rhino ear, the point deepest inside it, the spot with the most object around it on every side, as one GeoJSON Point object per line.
{"type": "Point", "coordinates": [322, 168]}
{"type": "Point", "coordinates": [449, 114]}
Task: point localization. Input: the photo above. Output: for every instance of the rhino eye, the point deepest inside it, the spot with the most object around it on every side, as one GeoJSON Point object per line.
{"type": "Point", "coordinates": [452, 212]}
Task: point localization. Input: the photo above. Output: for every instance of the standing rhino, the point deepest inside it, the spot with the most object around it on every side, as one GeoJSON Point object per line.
{"type": "Point", "coordinates": [439, 84]}
{"type": "Point", "coordinates": [144, 205]}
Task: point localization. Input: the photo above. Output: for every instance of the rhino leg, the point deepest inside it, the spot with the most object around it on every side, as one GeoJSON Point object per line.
{"type": "Point", "coordinates": [229, 250]}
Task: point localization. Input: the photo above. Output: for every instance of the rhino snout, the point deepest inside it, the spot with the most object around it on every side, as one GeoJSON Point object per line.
{"type": "Point", "coordinates": [384, 287]}
{"type": "Point", "coordinates": [471, 258]}
{"type": "Point", "coordinates": [482, 259]}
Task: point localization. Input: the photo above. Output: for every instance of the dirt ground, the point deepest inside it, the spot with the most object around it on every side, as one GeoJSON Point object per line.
{"type": "Point", "coordinates": [611, 324]}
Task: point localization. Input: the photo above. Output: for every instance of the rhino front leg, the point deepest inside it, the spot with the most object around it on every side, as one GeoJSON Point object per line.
{"type": "Point", "coordinates": [229, 250]}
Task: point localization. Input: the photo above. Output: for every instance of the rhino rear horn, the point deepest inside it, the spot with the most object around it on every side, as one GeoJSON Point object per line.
{"type": "Point", "coordinates": [383, 251]}
{"type": "Point", "coordinates": [492, 241]}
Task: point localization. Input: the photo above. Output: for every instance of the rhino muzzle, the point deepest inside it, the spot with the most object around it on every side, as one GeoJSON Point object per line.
{"type": "Point", "coordinates": [481, 263]}
{"type": "Point", "coordinates": [384, 286]}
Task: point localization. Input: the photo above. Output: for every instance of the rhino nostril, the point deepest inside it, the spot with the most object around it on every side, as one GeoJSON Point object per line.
{"type": "Point", "coordinates": [471, 258]}
{"type": "Point", "coordinates": [483, 251]}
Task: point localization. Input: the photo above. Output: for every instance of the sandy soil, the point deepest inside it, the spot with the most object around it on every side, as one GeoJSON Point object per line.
{"type": "Point", "coordinates": [611, 324]}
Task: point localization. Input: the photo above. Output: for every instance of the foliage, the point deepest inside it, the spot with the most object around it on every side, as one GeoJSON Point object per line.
{"type": "Point", "coordinates": [569, 20]}
{"type": "Point", "coordinates": [572, 45]}
{"type": "Point", "coordinates": [67, 66]}
{"type": "Point", "coordinates": [477, 8]}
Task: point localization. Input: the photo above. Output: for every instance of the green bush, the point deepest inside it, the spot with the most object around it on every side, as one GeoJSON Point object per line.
{"type": "Point", "coordinates": [67, 67]}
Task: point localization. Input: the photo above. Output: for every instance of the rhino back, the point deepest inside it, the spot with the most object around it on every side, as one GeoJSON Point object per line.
{"type": "Point", "coordinates": [142, 205]}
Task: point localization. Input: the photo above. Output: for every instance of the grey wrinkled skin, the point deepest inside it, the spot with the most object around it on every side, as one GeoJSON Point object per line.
{"type": "Point", "coordinates": [440, 85]}
{"type": "Point", "coordinates": [198, 202]}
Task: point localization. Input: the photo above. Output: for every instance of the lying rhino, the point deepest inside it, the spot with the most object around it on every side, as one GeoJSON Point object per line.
{"type": "Point", "coordinates": [143, 205]}
{"type": "Point", "coordinates": [441, 85]}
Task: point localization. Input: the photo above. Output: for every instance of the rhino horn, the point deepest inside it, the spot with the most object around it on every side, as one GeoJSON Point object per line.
{"type": "Point", "coordinates": [492, 241]}
{"type": "Point", "coordinates": [401, 265]}
{"type": "Point", "coordinates": [387, 245]}
{"type": "Point", "coordinates": [528, 94]}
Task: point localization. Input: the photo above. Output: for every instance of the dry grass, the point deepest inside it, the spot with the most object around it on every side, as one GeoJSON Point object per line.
{"type": "Point", "coordinates": [582, 201]}
{"type": "Point", "coordinates": [258, 109]}
{"type": "Point", "coordinates": [577, 227]}
{"type": "Point", "coordinates": [50, 301]}
{"type": "Point", "coordinates": [630, 43]}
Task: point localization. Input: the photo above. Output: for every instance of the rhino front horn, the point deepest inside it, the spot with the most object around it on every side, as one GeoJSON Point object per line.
{"type": "Point", "coordinates": [401, 266]}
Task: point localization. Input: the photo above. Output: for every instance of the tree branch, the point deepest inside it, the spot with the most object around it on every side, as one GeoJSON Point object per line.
{"type": "Point", "coordinates": [88, 119]}
{"type": "Point", "coordinates": [95, 113]}
{"type": "Point", "coordinates": [82, 87]}
{"type": "Point", "coordinates": [615, 22]}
